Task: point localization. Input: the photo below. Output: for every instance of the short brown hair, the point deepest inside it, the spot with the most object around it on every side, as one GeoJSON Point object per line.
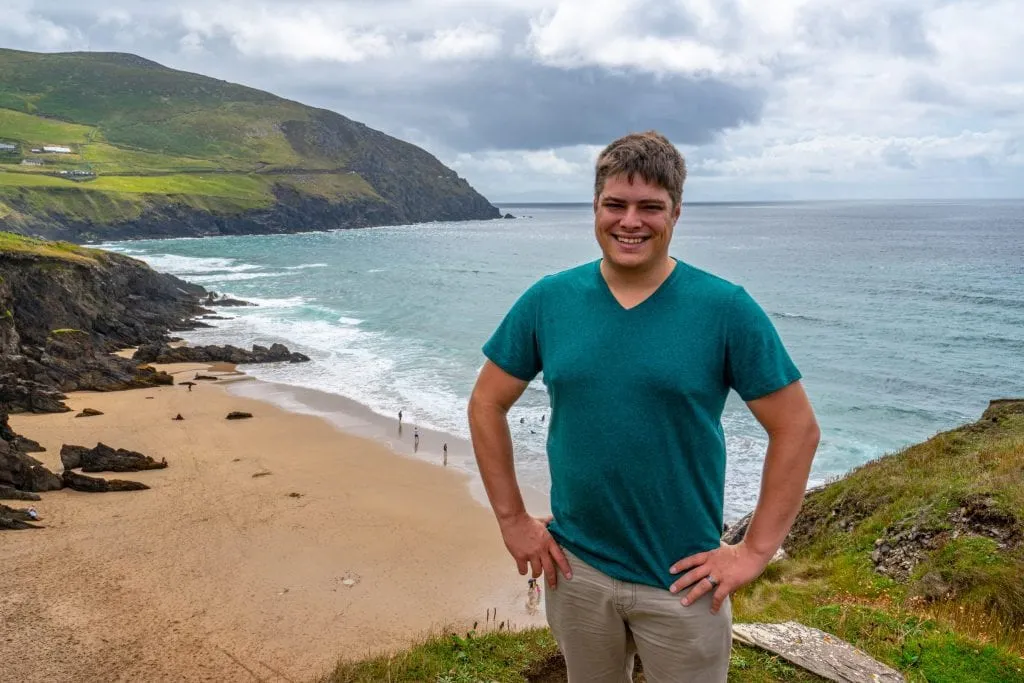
{"type": "Point", "coordinates": [649, 155]}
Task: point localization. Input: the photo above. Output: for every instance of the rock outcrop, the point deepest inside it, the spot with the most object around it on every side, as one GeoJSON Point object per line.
{"type": "Point", "coordinates": [80, 482]}
{"type": "Point", "coordinates": [103, 458]}
{"type": "Point", "coordinates": [19, 470]}
{"type": "Point", "coordinates": [162, 353]}
{"type": "Point", "coordinates": [64, 309]}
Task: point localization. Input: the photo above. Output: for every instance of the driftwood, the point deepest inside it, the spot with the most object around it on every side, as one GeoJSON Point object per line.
{"type": "Point", "coordinates": [816, 651]}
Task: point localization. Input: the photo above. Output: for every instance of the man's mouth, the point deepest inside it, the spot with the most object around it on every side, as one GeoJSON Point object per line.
{"type": "Point", "coordinates": [625, 239]}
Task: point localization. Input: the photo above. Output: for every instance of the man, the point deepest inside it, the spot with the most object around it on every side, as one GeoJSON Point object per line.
{"type": "Point", "coordinates": [639, 352]}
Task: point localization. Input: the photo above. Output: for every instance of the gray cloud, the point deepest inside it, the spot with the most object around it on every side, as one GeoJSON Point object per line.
{"type": "Point", "coordinates": [516, 104]}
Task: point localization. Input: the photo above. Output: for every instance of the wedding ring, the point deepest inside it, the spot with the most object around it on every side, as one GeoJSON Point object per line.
{"type": "Point", "coordinates": [711, 580]}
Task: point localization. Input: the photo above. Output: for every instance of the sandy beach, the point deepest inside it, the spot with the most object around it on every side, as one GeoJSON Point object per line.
{"type": "Point", "coordinates": [269, 547]}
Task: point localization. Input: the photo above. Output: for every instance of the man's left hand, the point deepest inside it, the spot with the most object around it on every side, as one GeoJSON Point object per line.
{"type": "Point", "coordinates": [729, 568]}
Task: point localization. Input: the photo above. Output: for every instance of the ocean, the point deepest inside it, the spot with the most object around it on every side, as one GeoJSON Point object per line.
{"type": "Point", "coordinates": [904, 318]}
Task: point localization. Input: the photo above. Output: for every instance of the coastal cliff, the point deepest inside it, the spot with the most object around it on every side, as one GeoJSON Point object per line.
{"type": "Point", "coordinates": [110, 146]}
{"type": "Point", "coordinates": [64, 308]}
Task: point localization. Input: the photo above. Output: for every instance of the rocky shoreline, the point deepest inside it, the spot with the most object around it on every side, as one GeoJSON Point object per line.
{"type": "Point", "coordinates": [61, 319]}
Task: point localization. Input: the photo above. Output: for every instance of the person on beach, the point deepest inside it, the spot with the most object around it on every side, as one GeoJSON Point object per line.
{"type": "Point", "coordinates": [415, 439]}
{"type": "Point", "coordinates": [399, 418]}
{"type": "Point", "coordinates": [445, 454]}
{"type": "Point", "coordinates": [639, 351]}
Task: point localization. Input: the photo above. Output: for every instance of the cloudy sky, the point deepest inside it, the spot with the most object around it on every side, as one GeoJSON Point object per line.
{"type": "Point", "coordinates": [787, 99]}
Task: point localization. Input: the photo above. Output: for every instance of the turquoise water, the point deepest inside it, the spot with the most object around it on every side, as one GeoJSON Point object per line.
{"type": "Point", "coordinates": [904, 318]}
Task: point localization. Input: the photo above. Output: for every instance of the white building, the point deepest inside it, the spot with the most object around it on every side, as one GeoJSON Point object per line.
{"type": "Point", "coordinates": [7, 147]}
{"type": "Point", "coordinates": [56, 149]}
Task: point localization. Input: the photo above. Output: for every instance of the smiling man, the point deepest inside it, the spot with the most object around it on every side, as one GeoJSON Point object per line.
{"type": "Point", "coordinates": [639, 351]}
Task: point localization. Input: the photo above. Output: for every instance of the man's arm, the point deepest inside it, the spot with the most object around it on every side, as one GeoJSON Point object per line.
{"type": "Point", "coordinates": [495, 393]}
{"type": "Point", "coordinates": [526, 537]}
{"type": "Point", "coordinates": [793, 436]}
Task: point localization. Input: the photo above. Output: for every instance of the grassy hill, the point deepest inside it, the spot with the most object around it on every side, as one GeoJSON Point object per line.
{"type": "Point", "coordinates": [917, 558]}
{"type": "Point", "coordinates": [159, 152]}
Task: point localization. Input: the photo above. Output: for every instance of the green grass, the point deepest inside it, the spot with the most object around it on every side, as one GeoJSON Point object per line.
{"type": "Point", "coordinates": [36, 131]}
{"type": "Point", "coordinates": [457, 658]}
{"type": "Point", "coordinates": [11, 243]}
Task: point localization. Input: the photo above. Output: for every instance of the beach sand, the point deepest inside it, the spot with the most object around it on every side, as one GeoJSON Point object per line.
{"type": "Point", "coordinates": [219, 575]}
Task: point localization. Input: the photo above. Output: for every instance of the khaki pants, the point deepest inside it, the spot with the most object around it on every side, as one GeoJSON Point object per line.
{"type": "Point", "coordinates": [600, 623]}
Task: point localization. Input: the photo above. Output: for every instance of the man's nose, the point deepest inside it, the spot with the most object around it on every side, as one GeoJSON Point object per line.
{"type": "Point", "coordinates": [632, 218]}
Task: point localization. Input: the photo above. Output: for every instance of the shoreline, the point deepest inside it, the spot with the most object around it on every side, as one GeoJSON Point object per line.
{"type": "Point", "coordinates": [346, 548]}
{"type": "Point", "coordinates": [355, 418]}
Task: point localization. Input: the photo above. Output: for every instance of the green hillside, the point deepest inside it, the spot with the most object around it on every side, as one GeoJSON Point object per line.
{"type": "Point", "coordinates": [150, 151]}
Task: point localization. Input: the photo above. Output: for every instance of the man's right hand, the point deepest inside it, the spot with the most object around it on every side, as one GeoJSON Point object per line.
{"type": "Point", "coordinates": [530, 543]}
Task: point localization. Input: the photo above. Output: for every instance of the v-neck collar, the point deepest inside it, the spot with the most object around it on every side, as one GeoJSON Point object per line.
{"type": "Point", "coordinates": [665, 284]}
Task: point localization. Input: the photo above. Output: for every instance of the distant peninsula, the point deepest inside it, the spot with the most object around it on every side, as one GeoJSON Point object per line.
{"type": "Point", "coordinates": [111, 146]}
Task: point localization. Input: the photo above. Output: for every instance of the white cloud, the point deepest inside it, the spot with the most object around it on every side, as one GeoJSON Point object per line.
{"type": "Point", "coordinates": [278, 31]}
{"type": "Point", "coordinates": [19, 20]}
{"type": "Point", "coordinates": [465, 41]}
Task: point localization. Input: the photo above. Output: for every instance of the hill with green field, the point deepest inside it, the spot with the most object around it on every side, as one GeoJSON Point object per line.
{"type": "Point", "coordinates": [99, 146]}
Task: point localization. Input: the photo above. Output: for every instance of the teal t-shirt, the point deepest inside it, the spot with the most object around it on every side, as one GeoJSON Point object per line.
{"type": "Point", "coordinates": [635, 442]}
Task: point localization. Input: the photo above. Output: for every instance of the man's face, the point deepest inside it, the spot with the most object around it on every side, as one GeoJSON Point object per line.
{"type": "Point", "coordinates": [633, 222]}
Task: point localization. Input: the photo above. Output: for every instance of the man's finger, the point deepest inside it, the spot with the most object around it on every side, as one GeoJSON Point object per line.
{"type": "Point", "coordinates": [549, 569]}
{"type": "Point", "coordinates": [522, 566]}
{"type": "Point", "coordinates": [537, 566]}
{"type": "Point", "coordinates": [721, 593]}
{"type": "Point", "coordinates": [688, 562]}
{"type": "Point", "coordinates": [689, 578]}
{"type": "Point", "coordinates": [561, 560]}
{"type": "Point", "coordinates": [698, 590]}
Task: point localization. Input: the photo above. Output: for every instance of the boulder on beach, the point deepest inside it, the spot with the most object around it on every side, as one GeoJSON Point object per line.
{"type": "Point", "coordinates": [80, 482]}
{"type": "Point", "coordinates": [89, 412]}
{"type": "Point", "coordinates": [103, 458]}
{"type": "Point", "coordinates": [238, 415]}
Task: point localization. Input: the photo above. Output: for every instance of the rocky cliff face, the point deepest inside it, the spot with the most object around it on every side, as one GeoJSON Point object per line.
{"type": "Point", "coordinates": [293, 212]}
{"type": "Point", "coordinates": [60, 318]}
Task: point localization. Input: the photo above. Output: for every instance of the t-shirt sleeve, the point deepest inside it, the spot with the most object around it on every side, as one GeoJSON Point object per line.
{"type": "Point", "coordinates": [756, 362]}
{"type": "Point", "coordinates": [514, 345]}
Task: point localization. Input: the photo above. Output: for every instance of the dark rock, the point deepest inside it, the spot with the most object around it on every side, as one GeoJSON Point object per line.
{"type": "Point", "coordinates": [238, 415]}
{"type": "Point", "coordinates": [89, 412]}
{"type": "Point", "coordinates": [16, 513]}
{"type": "Point", "coordinates": [933, 587]}
{"type": "Point", "coordinates": [212, 300]}
{"type": "Point", "coordinates": [261, 473]}
{"type": "Point", "coordinates": [15, 524]}
{"type": "Point", "coordinates": [11, 493]}
{"type": "Point", "coordinates": [21, 394]}
{"type": "Point", "coordinates": [21, 471]}
{"type": "Point", "coordinates": [178, 417]}
{"type": "Point", "coordinates": [27, 445]}
{"type": "Point", "coordinates": [80, 482]}
{"type": "Point", "coordinates": [103, 458]}
{"type": "Point", "coordinates": [162, 353]}
{"type": "Point", "coordinates": [206, 377]}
